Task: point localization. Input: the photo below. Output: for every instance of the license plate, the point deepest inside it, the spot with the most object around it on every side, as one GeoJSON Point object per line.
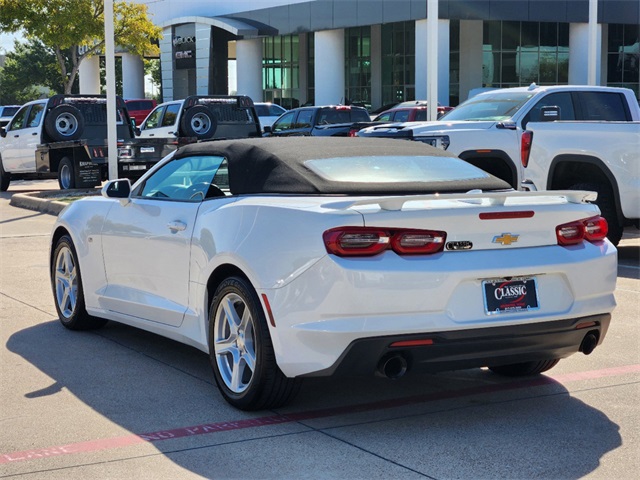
{"type": "Point", "coordinates": [137, 167]}
{"type": "Point", "coordinates": [510, 296]}
{"type": "Point", "coordinates": [147, 149]}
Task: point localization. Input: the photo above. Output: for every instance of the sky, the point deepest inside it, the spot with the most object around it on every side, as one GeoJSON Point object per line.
{"type": "Point", "coordinates": [6, 42]}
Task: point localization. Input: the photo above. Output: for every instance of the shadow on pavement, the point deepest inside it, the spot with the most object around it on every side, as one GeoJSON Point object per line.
{"type": "Point", "coordinates": [456, 424]}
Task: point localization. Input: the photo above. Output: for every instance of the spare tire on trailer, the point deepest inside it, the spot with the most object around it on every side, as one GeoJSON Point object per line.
{"type": "Point", "coordinates": [64, 122]}
{"type": "Point", "coordinates": [198, 121]}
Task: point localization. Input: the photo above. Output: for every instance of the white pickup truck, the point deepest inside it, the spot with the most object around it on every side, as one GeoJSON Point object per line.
{"type": "Point", "coordinates": [487, 130]}
{"type": "Point", "coordinates": [65, 137]}
{"type": "Point", "coordinates": [603, 157]}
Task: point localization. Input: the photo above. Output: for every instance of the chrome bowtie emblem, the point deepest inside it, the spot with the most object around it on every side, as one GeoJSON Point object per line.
{"type": "Point", "coordinates": [505, 239]}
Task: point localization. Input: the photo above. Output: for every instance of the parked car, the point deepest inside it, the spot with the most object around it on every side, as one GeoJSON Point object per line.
{"type": "Point", "coordinates": [7, 112]}
{"type": "Point", "coordinates": [487, 129]}
{"type": "Point", "coordinates": [603, 157]}
{"type": "Point", "coordinates": [201, 117]}
{"type": "Point", "coordinates": [321, 121]}
{"type": "Point", "coordinates": [415, 111]}
{"type": "Point", "coordinates": [284, 258]}
{"type": "Point", "coordinates": [140, 108]}
{"type": "Point", "coordinates": [268, 113]}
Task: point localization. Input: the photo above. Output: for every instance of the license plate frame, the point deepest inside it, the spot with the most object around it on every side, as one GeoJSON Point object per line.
{"type": "Point", "coordinates": [510, 295]}
{"type": "Point", "coordinates": [147, 149]}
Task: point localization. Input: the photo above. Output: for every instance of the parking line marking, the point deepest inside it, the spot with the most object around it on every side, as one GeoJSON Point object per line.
{"type": "Point", "coordinates": [128, 440]}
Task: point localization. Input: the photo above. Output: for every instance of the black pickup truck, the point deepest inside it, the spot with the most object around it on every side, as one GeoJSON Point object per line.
{"type": "Point", "coordinates": [65, 136]}
{"type": "Point", "coordinates": [321, 121]}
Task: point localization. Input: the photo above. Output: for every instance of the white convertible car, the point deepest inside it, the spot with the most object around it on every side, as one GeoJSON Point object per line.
{"type": "Point", "coordinates": [291, 257]}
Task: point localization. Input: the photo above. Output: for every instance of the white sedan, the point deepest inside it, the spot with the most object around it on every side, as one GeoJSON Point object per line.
{"type": "Point", "coordinates": [291, 257]}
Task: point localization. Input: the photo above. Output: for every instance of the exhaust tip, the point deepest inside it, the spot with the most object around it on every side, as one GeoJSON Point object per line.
{"type": "Point", "coordinates": [589, 343]}
{"type": "Point", "coordinates": [393, 366]}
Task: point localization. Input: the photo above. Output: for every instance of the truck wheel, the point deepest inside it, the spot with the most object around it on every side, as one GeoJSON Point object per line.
{"type": "Point", "coordinates": [5, 179]}
{"type": "Point", "coordinates": [607, 205]}
{"type": "Point", "coordinates": [64, 122]}
{"type": "Point", "coordinates": [66, 174]}
{"type": "Point", "coordinates": [199, 122]}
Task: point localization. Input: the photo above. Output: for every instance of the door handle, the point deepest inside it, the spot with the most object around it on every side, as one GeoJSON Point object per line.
{"type": "Point", "coordinates": [176, 226]}
{"type": "Point", "coordinates": [152, 134]}
{"type": "Point", "coordinates": [34, 133]}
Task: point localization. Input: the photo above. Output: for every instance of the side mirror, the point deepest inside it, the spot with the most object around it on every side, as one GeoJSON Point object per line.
{"type": "Point", "coordinates": [549, 114]}
{"type": "Point", "coordinates": [120, 189]}
{"type": "Point", "coordinates": [267, 129]}
{"type": "Point", "coordinates": [3, 132]}
{"type": "Point", "coordinates": [137, 131]}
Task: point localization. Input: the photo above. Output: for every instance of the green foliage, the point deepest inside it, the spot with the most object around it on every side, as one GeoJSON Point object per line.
{"type": "Point", "coordinates": [30, 71]}
{"type": "Point", "coordinates": [74, 29]}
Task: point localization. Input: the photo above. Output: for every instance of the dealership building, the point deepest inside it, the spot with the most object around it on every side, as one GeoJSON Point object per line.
{"type": "Point", "coordinates": [377, 51]}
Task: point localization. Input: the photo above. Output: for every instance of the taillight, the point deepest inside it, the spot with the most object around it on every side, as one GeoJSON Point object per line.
{"type": "Point", "coordinates": [595, 229]}
{"type": "Point", "coordinates": [369, 241]}
{"type": "Point", "coordinates": [525, 147]}
{"type": "Point", "coordinates": [353, 132]}
{"type": "Point", "coordinates": [592, 229]}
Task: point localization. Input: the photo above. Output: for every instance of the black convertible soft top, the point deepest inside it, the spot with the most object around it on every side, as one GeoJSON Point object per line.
{"type": "Point", "coordinates": [282, 165]}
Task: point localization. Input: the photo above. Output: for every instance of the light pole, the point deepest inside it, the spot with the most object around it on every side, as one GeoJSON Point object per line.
{"type": "Point", "coordinates": [432, 60]}
{"type": "Point", "coordinates": [110, 62]}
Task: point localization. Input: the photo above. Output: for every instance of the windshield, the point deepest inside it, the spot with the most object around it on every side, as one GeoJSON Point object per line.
{"type": "Point", "coordinates": [494, 107]}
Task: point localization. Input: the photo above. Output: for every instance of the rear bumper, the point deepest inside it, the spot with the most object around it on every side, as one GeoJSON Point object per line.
{"type": "Point", "coordinates": [473, 348]}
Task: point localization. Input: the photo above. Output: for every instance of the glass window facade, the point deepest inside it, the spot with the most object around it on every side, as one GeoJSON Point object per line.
{"type": "Point", "coordinates": [281, 70]}
{"type": "Point", "coordinates": [520, 53]}
{"type": "Point", "coordinates": [454, 62]}
{"type": "Point", "coordinates": [398, 62]}
{"type": "Point", "coordinates": [623, 57]}
{"type": "Point", "coordinates": [358, 65]}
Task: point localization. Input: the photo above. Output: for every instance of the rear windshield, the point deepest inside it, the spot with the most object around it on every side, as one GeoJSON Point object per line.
{"type": "Point", "coordinates": [395, 169]}
{"type": "Point", "coordinates": [140, 105]}
{"type": "Point", "coordinates": [9, 111]}
{"type": "Point", "coordinates": [489, 106]}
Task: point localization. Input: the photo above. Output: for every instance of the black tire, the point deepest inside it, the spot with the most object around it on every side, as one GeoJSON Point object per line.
{"type": "Point", "coordinates": [5, 178]}
{"type": "Point", "coordinates": [199, 122]}
{"type": "Point", "coordinates": [66, 174]}
{"type": "Point", "coordinates": [64, 122]}
{"type": "Point", "coordinates": [247, 338]}
{"type": "Point", "coordinates": [66, 283]}
{"type": "Point", "coordinates": [607, 205]}
{"type": "Point", "coordinates": [525, 368]}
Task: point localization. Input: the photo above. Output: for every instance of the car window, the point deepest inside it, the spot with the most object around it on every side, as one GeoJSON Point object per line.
{"type": "Point", "coordinates": [359, 115]}
{"type": "Point", "coordinates": [153, 120]}
{"type": "Point", "coordinates": [602, 106]}
{"type": "Point", "coordinates": [401, 116]}
{"type": "Point", "coordinates": [262, 110]}
{"type": "Point", "coordinates": [304, 119]}
{"type": "Point", "coordinates": [559, 99]}
{"type": "Point", "coordinates": [489, 106]}
{"type": "Point", "coordinates": [421, 115]}
{"type": "Point", "coordinates": [133, 105]}
{"type": "Point", "coordinates": [384, 117]}
{"type": "Point", "coordinates": [285, 122]}
{"type": "Point", "coordinates": [171, 115]}
{"type": "Point", "coordinates": [9, 111]}
{"type": "Point", "coordinates": [275, 110]}
{"type": "Point", "coordinates": [392, 169]}
{"type": "Point", "coordinates": [35, 115]}
{"type": "Point", "coordinates": [19, 118]}
{"type": "Point", "coordinates": [187, 179]}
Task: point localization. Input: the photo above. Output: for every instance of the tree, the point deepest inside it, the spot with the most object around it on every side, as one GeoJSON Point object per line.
{"type": "Point", "coordinates": [29, 70]}
{"type": "Point", "coordinates": [74, 29]}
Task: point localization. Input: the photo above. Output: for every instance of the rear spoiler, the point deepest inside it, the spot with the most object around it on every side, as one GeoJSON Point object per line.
{"type": "Point", "coordinates": [494, 198]}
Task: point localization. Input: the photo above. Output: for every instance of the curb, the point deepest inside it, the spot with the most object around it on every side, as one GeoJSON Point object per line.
{"type": "Point", "coordinates": [46, 202]}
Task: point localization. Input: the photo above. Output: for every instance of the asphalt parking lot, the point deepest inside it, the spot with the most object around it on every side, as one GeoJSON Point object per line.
{"type": "Point", "coordinates": [120, 403]}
